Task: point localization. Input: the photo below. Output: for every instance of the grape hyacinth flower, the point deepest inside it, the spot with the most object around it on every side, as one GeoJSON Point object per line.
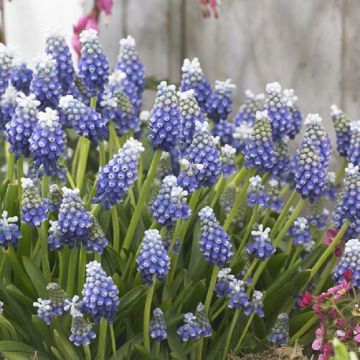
{"type": "Point", "coordinates": [261, 247]}
{"type": "Point", "coordinates": [100, 294]}
{"type": "Point", "coordinates": [22, 124]}
{"type": "Point", "coordinates": [278, 111]}
{"type": "Point", "coordinates": [153, 260]}
{"type": "Point", "coordinates": [118, 80]}
{"type": "Point", "coordinates": [47, 142]}
{"type": "Point", "coordinates": [256, 305]}
{"type": "Point", "coordinates": [295, 114]}
{"type": "Point", "coordinates": [6, 63]}
{"type": "Point", "coordinates": [349, 262]}
{"type": "Point", "coordinates": [219, 103]}
{"type": "Point", "coordinates": [203, 151]}
{"type": "Point", "coordinates": [353, 151]}
{"type": "Point", "coordinates": [280, 332]}
{"type": "Point", "coordinates": [310, 172]}
{"type": "Point", "coordinates": [116, 178]}
{"type": "Point", "coordinates": [227, 158]}
{"type": "Point", "coordinates": [44, 310]}
{"type": "Point", "coordinates": [21, 77]}
{"type": "Point", "coordinates": [203, 320]}
{"type": "Point", "coordinates": [190, 113]}
{"type": "Point", "coordinates": [224, 279]}
{"type": "Point", "coordinates": [57, 298]}
{"type": "Point", "coordinates": [8, 105]}
{"type": "Point", "coordinates": [117, 108]}
{"type": "Point", "coordinates": [158, 329]}
{"type": "Point", "coordinates": [238, 296]}
{"type": "Point", "coordinates": [188, 175]}
{"type": "Point", "coordinates": [191, 330]}
{"type": "Point", "coordinates": [45, 84]}
{"type": "Point", "coordinates": [214, 241]}
{"type": "Point", "coordinates": [247, 111]}
{"type": "Point", "coordinates": [242, 134]}
{"type": "Point", "coordinates": [129, 62]}
{"type": "Point", "coordinates": [9, 230]}
{"type": "Point", "coordinates": [281, 158]}
{"type": "Point", "coordinates": [317, 136]}
{"type": "Point", "coordinates": [170, 204]}
{"type": "Point", "coordinates": [194, 78]}
{"type": "Point", "coordinates": [74, 221]}
{"type": "Point", "coordinates": [85, 120]}
{"type": "Point", "coordinates": [81, 330]}
{"type": "Point", "coordinates": [96, 241]}
{"type": "Point", "coordinates": [55, 197]}
{"type": "Point", "coordinates": [273, 190]}
{"type": "Point", "coordinates": [224, 131]}
{"type": "Point", "coordinates": [259, 150]}
{"type": "Point", "coordinates": [165, 123]}
{"type": "Point", "coordinates": [256, 193]}
{"type": "Point", "coordinates": [299, 230]}
{"type": "Point", "coordinates": [330, 190]}
{"type": "Point", "coordinates": [342, 128]}
{"type": "Point", "coordinates": [318, 216]}
{"type": "Point", "coordinates": [33, 208]}
{"type": "Point", "coordinates": [60, 51]}
{"type": "Point", "coordinates": [93, 64]}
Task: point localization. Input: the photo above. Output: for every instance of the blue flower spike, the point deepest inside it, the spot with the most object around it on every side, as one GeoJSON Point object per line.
{"type": "Point", "coordinates": [158, 328]}
{"type": "Point", "coordinates": [153, 260]}
{"type": "Point", "coordinates": [261, 247]}
{"type": "Point", "coordinates": [6, 64]}
{"type": "Point", "coordinates": [247, 111]}
{"type": "Point", "coordinates": [9, 230]}
{"type": "Point", "coordinates": [342, 129]}
{"type": "Point", "coordinates": [256, 193]}
{"type": "Point", "coordinates": [279, 334]}
{"type": "Point", "coordinates": [116, 178]}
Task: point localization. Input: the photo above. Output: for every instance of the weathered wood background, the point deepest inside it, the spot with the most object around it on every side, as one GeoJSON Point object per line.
{"type": "Point", "coordinates": [312, 46]}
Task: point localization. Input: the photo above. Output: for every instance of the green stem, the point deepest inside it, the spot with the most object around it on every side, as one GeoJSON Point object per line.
{"type": "Point", "coordinates": [91, 194]}
{"type": "Point", "coordinates": [147, 310]}
{"type": "Point", "coordinates": [329, 249]}
{"type": "Point", "coordinates": [266, 217]}
{"type": "Point", "coordinates": [295, 255]}
{"type": "Point", "coordinates": [102, 155]}
{"type": "Point", "coordinates": [240, 176]}
{"type": "Point", "coordinates": [84, 153]}
{"type": "Point", "coordinates": [102, 339]}
{"type": "Point", "coordinates": [72, 271]}
{"type": "Point", "coordinates": [142, 200]}
{"type": "Point", "coordinates": [87, 352]}
{"type": "Point", "coordinates": [324, 276]}
{"type": "Point", "coordinates": [113, 135]}
{"type": "Point", "coordinates": [20, 174]}
{"type": "Point", "coordinates": [251, 269]}
{"type": "Point", "coordinates": [2, 266]}
{"type": "Point", "coordinates": [10, 164]}
{"type": "Point", "coordinates": [116, 229]}
{"type": "Point", "coordinates": [76, 157]}
{"type": "Point", "coordinates": [113, 340]}
{"type": "Point", "coordinates": [210, 291]}
{"type": "Point", "coordinates": [246, 235]}
{"type": "Point", "coordinates": [93, 101]}
{"type": "Point", "coordinates": [70, 179]}
{"type": "Point", "coordinates": [244, 332]}
{"type": "Point", "coordinates": [284, 212]}
{"type": "Point", "coordinates": [45, 185]}
{"type": "Point", "coordinates": [44, 251]}
{"type": "Point", "coordinates": [157, 347]}
{"type": "Point", "coordinates": [61, 269]}
{"type": "Point", "coordinates": [219, 311]}
{"type": "Point", "coordinates": [230, 333]}
{"type": "Point", "coordinates": [303, 330]}
{"type": "Point", "coordinates": [218, 191]}
{"type": "Point", "coordinates": [82, 268]}
{"type": "Point", "coordinates": [96, 209]}
{"type": "Point", "coordinates": [341, 172]}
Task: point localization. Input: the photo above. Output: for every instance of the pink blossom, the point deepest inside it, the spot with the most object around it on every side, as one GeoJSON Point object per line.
{"type": "Point", "coordinates": [331, 233]}
{"type": "Point", "coordinates": [84, 23]}
{"type": "Point", "coordinates": [105, 6]}
{"type": "Point", "coordinates": [306, 300]}
{"type": "Point", "coordinates": [357, 334]}
{"type": "Point", "coordinates": [207, 5]}
{"type": "Point", "coordinates": [319, 338]}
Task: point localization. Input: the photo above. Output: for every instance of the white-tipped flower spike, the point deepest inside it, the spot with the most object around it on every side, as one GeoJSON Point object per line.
{"type": "Point", "coordinates": [227, 158]}
{"type": "Point", "coordinates": [256, 193]}
{"type": "Point", "coordinates": [353, 151]}
{"type": "Point", "coordinates": [261, 247]}
{"type": "Point", "coordinates": [6, 60]}
{"type": "Point", "coordinates": [9, 230]}
{"type": "Point", "coordinates": [7, 106]}
{"type": "Point", "coordinates": [280, 332]}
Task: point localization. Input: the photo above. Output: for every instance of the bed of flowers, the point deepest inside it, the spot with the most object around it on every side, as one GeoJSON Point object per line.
{"type": "Point", "coordinates": [182, 232]}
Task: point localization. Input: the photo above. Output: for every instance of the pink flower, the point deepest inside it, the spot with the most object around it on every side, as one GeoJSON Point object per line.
{"type": "Point", "coordinates": [306, 300]}
{"type": "Point", "coordinates": [357, 334]}
{"type": "Point", "coordinates": [105, 6]}
{"type": "Point", "coordinates": [319, 338]}
{"type": "Point", "coordinates": [207, 5]}
{"type": "Point", "coordinates": [331, 233]}
{"type": "Point", "coordinates": [84, 23]}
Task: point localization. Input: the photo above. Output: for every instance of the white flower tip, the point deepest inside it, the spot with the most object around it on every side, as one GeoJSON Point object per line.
{"type": "Point", "coordinates": [331, 176]}
{"type": "Point", "coordinates": [255, 181]}
{"type": "Point", "coordinates": [27, 101]}
{"type": "Point", "coordinates": [273, 183]}
{"type": "Point", "coordinates": [26, 182]}
{"type": "Point", "coordinates": [65, 101]}
{"type": "Point", "coordinates": [134, 145]}
{"type": "Point", "coordinates": [289, 97]}
{"type": "Point", "coordinates": [144, 116]}
{"type": "Point", "coordinates": [334, 110]}
{"type": "Point", "coordinates": [261, 115]}
{"type": "Point", "coordinates": [129, 41]}
{"type": "Point", "coordinates": [116, 77]}
{"type": "Point", "coordinates": [67, 191]}
{"type": "Point", "coordinates": [44, 61]}
{"type": "Point", "coordinates": [191, 65]}
{"type": "Point", "coordinates": [313, 119]}
{"type": "Point", "coordinates": [355, 126]}
{"type": "Point", "coordinates": [351, 169]}
{"type": "Point", "coordinates": [273, 87]}
{"type": "Point", "coordinates": [249, 94]}
{"type": "Point", "coordinates": [183, 95]}
{"type": "Point", "coordinates": [48, 117]}
{"type": "Point", "coordinates": [88, 35]}
{"type": "Point", "coordinates": [55, 32]}
{"type": "Point", "coordinates": [224, 85]}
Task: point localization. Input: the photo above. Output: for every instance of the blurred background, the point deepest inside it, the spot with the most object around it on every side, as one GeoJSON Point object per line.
{"type": "Point", "coordinates": [312, 46]}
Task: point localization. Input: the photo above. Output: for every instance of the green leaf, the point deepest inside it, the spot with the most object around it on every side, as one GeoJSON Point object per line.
{"type": "Point", "coordinates": [56, 353]}
{"type": "Point", "coordinates": [340, 351]}
{"type": "Point", "coordinates": [143, 352]}
{"type": "Point", "coordinates": [131, 298]}
{"type": "Point", "coordinates": [65, 347]}
{"type": "Point", "coordinates": [16, 293]}
{"type": "Point", "coordinates": [42, 330]}
{"type": "Point", "coordinates": [36, 277]}
{"type": "Point", "coordinates": [14, 350]}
